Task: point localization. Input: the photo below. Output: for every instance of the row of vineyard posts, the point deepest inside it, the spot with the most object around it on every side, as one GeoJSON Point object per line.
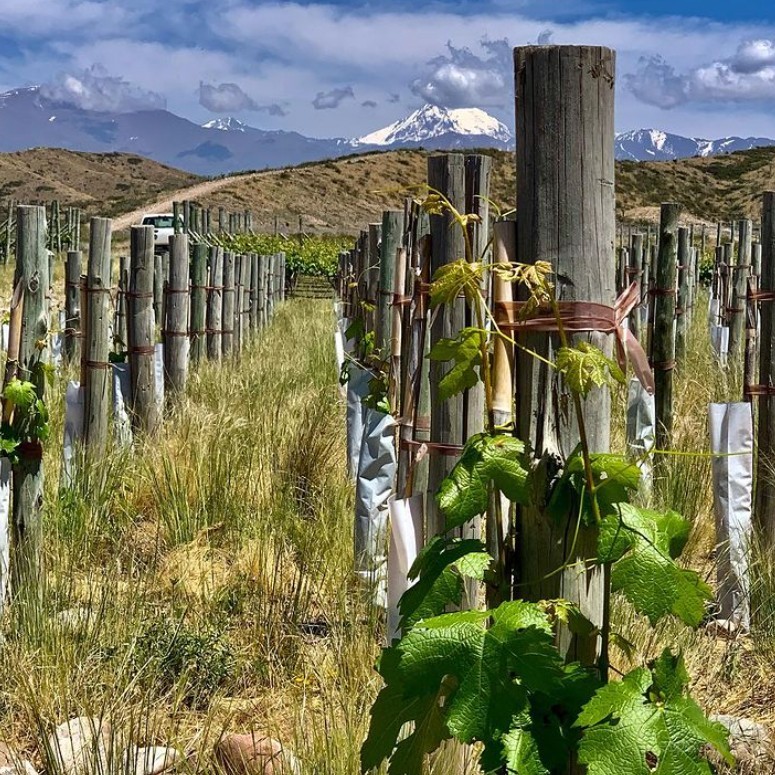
{"type": "Point", "coordinates": [640, 291]}
{"type": "Point", "coordinates": [126, 321]}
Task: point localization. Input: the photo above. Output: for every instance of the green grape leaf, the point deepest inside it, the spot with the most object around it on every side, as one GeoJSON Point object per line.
{"type": "Point", "coordinates": [521, 754]}
{"type": "Point", "coordinates": [586, 367]}
{"type": "Point", "coordinates": [643, 546]}
{"type": "Point", "coordinates": [391, 711]}
{"type": "Point", "coordinates": [486, 460]}
{"type": "Point", "coordinates": [20, 394]}
{"type": "Point", "coordinates": [646, 723]}
{"type": "Point", "coordinates": [457, 277]}
{"type": "Point", "coordinates": [355, 330]}
{"type": "Point", "coordinates": [439, 569]}
{"type": "Point", "coordinates": [615, 479]}
{"type": "Point", "coordinates": [465, 351]}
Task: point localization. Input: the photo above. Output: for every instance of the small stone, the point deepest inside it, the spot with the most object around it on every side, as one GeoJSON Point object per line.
{"type": "Point", "coordinates": [748, 739]}
{"type": "Point", "coordinates": [12, 764]}
{"type": "Point", "coordinates": [255, 754]}
{"type": "Point", "coordinates": [151, 760]}
{"type": "Point", "coordinates": [80, 746]}
{"type": "Point", "coordinates": [74, 618]}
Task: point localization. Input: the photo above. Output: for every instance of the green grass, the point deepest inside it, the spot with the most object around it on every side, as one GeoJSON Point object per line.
{"type": "Point", "coordinates": [208, 574]}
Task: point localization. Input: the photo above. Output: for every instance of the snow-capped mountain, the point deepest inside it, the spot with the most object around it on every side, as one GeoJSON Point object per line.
{"type": "Point", "coordinates": [656, 145]}
{"type": "Point", "coordinates": [433, 126]}
{"type": "Point", "coordinates": [226, 124]}
{"type": "Point", "coordinates": [29, 119]}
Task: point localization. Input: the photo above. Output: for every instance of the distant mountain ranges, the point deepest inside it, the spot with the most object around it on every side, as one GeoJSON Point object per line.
{"type": "Point", "coordinates": [223, 145]}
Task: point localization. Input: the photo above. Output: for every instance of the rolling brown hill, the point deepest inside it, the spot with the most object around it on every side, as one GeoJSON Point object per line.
{"type": "Point", "coordinates": [340, 196]}
{"type": "Point", "coordinates": [104, 184]}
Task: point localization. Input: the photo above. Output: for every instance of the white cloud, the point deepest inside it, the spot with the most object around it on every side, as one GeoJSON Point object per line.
{"type": "Point", "coordinates": [230, 98]}
{"type": "Point", "coordinates": [746, 76]}
{"type": "Point", "coordinates": [95, 89]}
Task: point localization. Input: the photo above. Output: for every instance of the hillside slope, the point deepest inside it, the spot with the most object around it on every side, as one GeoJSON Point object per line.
{"type": "Point", "coordinates": [341, 196]}
{"type": "Point", "coordinates": [101, 183]}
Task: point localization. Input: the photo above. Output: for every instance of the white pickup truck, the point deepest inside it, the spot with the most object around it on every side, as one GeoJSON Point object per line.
{"type": "Point", "coordinates": [163, 228]}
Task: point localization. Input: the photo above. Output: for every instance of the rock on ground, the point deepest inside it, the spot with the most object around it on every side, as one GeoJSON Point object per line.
{"type": "Point", "coordinates": [748, 739]}
{"type": "Point", "coordinates": [81, 746]}
{"type": "Point", "coordinates": [254, 754]}
{"type": "Point", "coordinates": [151, 760]}
{"type": "Point", "coordinates": [12, 764]}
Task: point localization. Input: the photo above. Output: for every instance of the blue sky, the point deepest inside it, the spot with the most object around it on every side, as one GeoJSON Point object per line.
{"type": "Point", "coordinates": [342, 68]}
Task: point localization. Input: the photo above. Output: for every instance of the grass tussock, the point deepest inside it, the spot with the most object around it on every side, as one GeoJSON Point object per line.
{"type": "Point", "coordinates": [202, 583]}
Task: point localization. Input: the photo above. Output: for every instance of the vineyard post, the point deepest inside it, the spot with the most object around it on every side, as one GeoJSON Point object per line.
{"type": "Point", "coordinates": [392, 231]}
{"type": "Point", "coordinates": [663, 345]}
{"type": "Point", "coordinates": [756, 259]}
{"type": "Point", "coordinates": [158, 286]}
{"type": "Point", "coordinates": [32, 271]}
{"type": "Point", "coordinates": [283, 277]}
{"type": "Point", "coordinates": [141, 329]}
{"type": "Point", "coordinates": [227, 315]}
{"type": "Point", "coordinates": [215, 305]}
{"type": "Point", "coordinates": [245, 301]}
{"type": "Point", "coordinates": [269, 284]}
{"type": "Point", "coordinates": [682, 302]}
{"type": "Point", "coordinates": [371, 275]}
{"type": "Point", "coordinates": [635, 274]}
{"type": "Point", "coordinates": [186, 216]}
{"type": "Point", "coordinates": [446, 174]}
{"type": "Point", "coordinates": [198, 303]}
{"type": "Point", "coordinates": [97, 374]}
{"type": "Point", "coordinates": [254, 285]}
{"type": "Point", "coordinates": [73, 334]}
{"type": "Point", "coordinates": [177, 217]}
{"type": "Point", "coordinates": [262, 291]}
{"type": "Point", "coordinates": [120, 334]}
{"type": "Point", "coordinates": [8, 232]}
{"type": "Point", "coordinates": [740, 276]}
{"type": "Point", "coordinates": [176, 341]}
{"type": "Point", "coordinates": [565, 215]}
{"type": "Point", "coordinates": [764, 515]}
{"type": "Point", "coordinates": [237, 326]}
{"type": "Point", "coordinates": [222, 220]}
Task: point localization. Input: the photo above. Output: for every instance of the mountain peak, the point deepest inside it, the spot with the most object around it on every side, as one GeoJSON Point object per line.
{"type": "Point", "coordinates": [432, 121]}
{"type": "Point", "coordinates": [226, 124]}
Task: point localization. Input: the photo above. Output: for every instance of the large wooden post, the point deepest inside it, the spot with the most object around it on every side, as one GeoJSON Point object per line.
{"type": "Point", "coordinates": [145, 409]}
{"type": "Point", "coordinates": [176, 318]}
{"type": "Point", "coordinates": [73, 332]}
{"type": "Point", "coordinates": [97, 383]}
{"type": "Point", "coordinates": [565, 215]}
{"type": "Point", "coordinates": [446, 173]}
{"type": "Point", "coordinates": [635, 274]}
{"type": "Point", "coordinates": [765, 474]}
{"type": "Point", "coordinates": [227, 315]}
{"type": "Point", "coordinates": [682, 304]}
{"type": "Point", "coordinates": [663, 344]}
{"type": "Point", "coordinates": [392, 230]}
{"type": "Point", "coordinates": [215, 305]}
{"type": "Point", "coordinates": [32, 272]}
{"type": "Point", "coordinates": [739, 280]}
{"type": "Point", "coordinates": [198, 303]}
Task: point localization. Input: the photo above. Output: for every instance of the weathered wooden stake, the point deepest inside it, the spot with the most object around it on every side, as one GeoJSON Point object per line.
{"type": "Point", "coordinates": [739, 281]}
{"type": "Point", "coordinates": [635, 274]}
{"type": "Point", "coordinates": [262, 318]}
{"type": "Point", "coordinates": [227, 316]}
{"type": "Point", "coordinates": [565, 215]}
{"type": "Point", "coordinates": [663, 345]}
{"type": "Point", "coordinates": [392, 231]}
{"type": "Point", "coordinates": [682, 304]}
{"type": "Point", "coordinates": [764, 515]}
{"type": "Point", "coordinates": [32, 272]}
{"type": "Point", "coordinates": [215, 305]}
{"type": "Point", "coordinates": [120, 336]}
{"type": "Point", "coordinates": [198, 303]}
{"type": "Point", "coordinates": [97, 383]}
{"type": "Point", "coordinates": [73, 333]}
{"type": "Point", "coordinates": [145, 409]}
{"type": "Point", "coordinates": [255, 312]}
{"type": "Point", "coordinates": [176, 334]}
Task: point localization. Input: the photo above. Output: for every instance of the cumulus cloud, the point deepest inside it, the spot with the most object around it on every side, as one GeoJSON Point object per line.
{"type": "Point", "coordinates": [95, 89]}
{"type": "Point", "coordinates": [747, 76]}
{"type": "Point", "coordinates": [325, 100]}
{"type": "Point", "coordinates": [393, 98]}
{"type": "Point", "coordinates": [461, 78]}
{"type": "Point", "coordinates": [368, 104]}
{"type": "Point", "coordinates": [545, 38]}
{"type": "Point", "coordinates": [230, 98]}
